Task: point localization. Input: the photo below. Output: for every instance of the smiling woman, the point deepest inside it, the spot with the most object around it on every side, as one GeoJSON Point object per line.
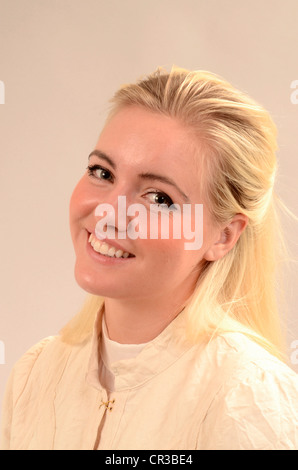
{"type": "Point", "coordinates": [174, 348]}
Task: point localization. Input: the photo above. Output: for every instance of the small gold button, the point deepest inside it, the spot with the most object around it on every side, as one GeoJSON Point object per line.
{"type": "Point", "coordinates": [107, 404]}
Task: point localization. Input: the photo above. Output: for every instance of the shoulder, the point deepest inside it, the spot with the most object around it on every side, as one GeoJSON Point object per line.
{"type": "Point", "coordinates": [19, 378]}
{"type": "Point", "coordinates": [46, 356]}
{"type": "Point", "coordinates": [24, 367]}
{"type": "Point", "coordinates": [236, 352]}
{"type": "Point", "coordinates": [31, 355]}
{"type": "Point", "coordinates": [45, 363]}
{"type": "Point", "coordinates": [41, 362]}
{"type": "Point", "coordinates": [256, 406]}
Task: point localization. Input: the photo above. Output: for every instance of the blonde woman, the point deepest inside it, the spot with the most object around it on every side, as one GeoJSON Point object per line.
{"type": "Point", "coordinates": [177, 346]}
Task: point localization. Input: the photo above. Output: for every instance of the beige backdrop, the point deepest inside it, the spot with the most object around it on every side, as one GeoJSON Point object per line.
{"type": "Point", "coordinates": [60, 61]}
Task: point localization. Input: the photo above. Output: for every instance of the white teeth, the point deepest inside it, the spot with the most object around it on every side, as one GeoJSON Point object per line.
{"type": "Point", "coordinates": [105, 249]}
{"type": "Point", "coordinates": [96, 245]}
{"type": "Point", "coordinates": [111, 251]}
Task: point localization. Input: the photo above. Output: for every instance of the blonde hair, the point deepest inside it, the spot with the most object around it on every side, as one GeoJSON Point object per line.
{"type": "Point", "coordinates": [237, 292]}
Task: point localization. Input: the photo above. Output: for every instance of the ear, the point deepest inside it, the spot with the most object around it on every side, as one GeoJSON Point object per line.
{"type": "Point", "coordinates": [227, 239]}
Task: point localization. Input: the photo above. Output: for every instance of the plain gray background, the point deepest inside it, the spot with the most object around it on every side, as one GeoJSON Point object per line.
{"type": "Point", "coordinates": [60, 62]}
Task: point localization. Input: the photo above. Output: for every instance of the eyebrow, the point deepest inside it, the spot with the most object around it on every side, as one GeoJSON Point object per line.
{"type": "Point", "coordinates": [100, 154]}
{"type": "Point", "coordinates": [146, 176]}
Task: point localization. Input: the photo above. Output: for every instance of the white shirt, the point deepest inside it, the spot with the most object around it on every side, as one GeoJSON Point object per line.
{"type": "Point", "coordinates": [111, 352]}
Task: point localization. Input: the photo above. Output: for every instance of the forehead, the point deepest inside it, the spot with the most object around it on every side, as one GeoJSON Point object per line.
{"type": "Point", "coordinates": [138, 137]}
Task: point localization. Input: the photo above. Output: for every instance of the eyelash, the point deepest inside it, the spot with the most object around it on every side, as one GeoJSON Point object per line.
{"type": "Point", "coordinates": [93, 168]}
{"type": "Point", "coordinates": [159, 193]}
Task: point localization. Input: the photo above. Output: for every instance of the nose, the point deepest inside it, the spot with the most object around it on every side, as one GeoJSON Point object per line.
{"type": "Point", "coordinates": [111, 215]}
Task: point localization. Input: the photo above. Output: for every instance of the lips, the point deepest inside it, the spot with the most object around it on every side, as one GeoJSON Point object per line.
{"type": "Point", "coordinates": [106, 249]}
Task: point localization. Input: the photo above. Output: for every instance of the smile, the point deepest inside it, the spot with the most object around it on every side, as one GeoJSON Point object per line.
{"type": "Point", "coordinates": [107, 250]}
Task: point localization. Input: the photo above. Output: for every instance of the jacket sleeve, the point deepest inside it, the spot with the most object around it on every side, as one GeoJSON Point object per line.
{"type": "Point", "coordinates": [257, 409]}
{"type": "Point", "coordinates": [15, 387]}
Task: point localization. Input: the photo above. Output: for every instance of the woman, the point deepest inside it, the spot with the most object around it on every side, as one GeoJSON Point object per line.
{"type": "Point", "coordinates": [175, 348]}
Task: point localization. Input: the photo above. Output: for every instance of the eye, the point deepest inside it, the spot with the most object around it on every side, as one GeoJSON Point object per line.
{"type": "Point", "coordinates": [159, 198]}
{"type": "Point", "coordinates": [97, 171]}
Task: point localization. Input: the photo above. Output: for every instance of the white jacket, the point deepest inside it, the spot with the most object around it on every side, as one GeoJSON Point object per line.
{"type": "Point", "coordinates": [226, 394]}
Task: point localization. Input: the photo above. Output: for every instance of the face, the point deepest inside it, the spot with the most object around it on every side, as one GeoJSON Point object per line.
{"type": "Point", "coordinates": [150, 159]}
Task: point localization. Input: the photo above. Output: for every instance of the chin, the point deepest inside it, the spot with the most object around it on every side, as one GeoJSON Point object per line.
{"type": "Point", "coordinates": [87, 282]}
{"type": "Point", "coordinates": [95, 286]}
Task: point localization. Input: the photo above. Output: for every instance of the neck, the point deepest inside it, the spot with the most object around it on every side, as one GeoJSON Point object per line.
{"type": "Point", "coordinates": [135, 321]}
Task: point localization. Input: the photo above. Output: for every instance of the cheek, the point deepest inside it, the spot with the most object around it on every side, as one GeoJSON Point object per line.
{"type": "Point", "coordinates": [75, 210]}
{"type": "Point", "coordinates": [184, 241]}
{"type": "Point", "coordinates": [180, 238]}
{"type": "Point", "coordinates": [77, 199]}
{"type": "Point", "coordinates": [82, 203]}
{"type": "Point", "coordinates": [169, 257]}
{"type": "Point", "coordinates": [167, 266]}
